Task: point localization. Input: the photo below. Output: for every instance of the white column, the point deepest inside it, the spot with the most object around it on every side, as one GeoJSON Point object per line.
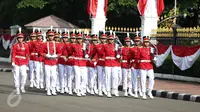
{"type": "Point", "coordinates": [98, 23]}
{"type": "Point", "coordinates": [150, 19]}
{"type": "Point", "coordinates": [14, 29]}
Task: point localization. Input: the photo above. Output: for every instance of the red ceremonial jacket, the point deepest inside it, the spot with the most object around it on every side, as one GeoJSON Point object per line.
{"type": "Point", "coordinates": [125, 57]}
{"type": "Point", "coordinates": [20, 54]}
{"type": "Point", "coordinates": [135, 56]}
{"type": "Point", "coordinates": [145, 58]}
{"type": "Point", "coordinates": [44, 51]}
{"type": "Point", "coordinates": [77, 51]}
{"type": "Point", "coordinates": [37, 47]}
{"type": "Point", "coordinates": [108, 50]}
{"type": "Point", "coordinates": [100, 55]}
{"type": "Point", "coordinates": [31, 50]}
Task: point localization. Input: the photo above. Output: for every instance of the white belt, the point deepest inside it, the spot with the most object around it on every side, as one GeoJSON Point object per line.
{"type": "Point", "coordinates": [71, 57]}
{"type": "Point", "coordinates": [145, 61]}
{"type": "Point", "coordinates": [34, 53]}
{"type": "Point", "coordinates": [124, 61]}
{"type": "Point", "coordinates": [101, 59]}
{"type": "Point", "coordinates": [132, 60]}
{"type": "Point", "coordinates": [77, 58]}
{"type": "Point", "coordinates": [110, 58]}
{"type": "Point", "coordinates": [22, 57]}
{"type": "Point", "coordinates": [62, 56]}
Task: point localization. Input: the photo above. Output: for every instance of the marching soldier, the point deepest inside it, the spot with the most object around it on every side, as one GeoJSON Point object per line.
{"type": "Point", "coordinates": [100, 65]}
{"type": "Point", "coordinates": [146, 68]}
{"type": "Point", "coordinates": [57, 41]}
{"type": "Point", "coordinates": [37, 46]}
{"type": "Point", "coordinates": [111, 65]}
{"type": "Point", "coordinates": [61, 65]}
{"type": "Point", "coordinates": [126, 67]}
{"type": "Point", "coordinates": [33, 55]}
{"type": "Point", "coordinates": [135, 65]}
{"type": "Point", "coordinates": [70, 61]}
{"type": "Point", "coordinates": [92, 74]}
{"type": "Point", "coordinates": [80, 65]}
{"type": "Point", "coordinates": [20, 58]}
{"type": "Point", "coordinates": [50, 52]}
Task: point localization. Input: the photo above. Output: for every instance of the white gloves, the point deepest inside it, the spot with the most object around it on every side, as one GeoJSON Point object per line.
{"type": "Point", "coordinates": [86, 56]}
{"type": "Point", "coordinates": [95, 63]}
{"type": "Point", "coordinates": [27, 68]}
{"type": "Point", "coordinates": [155, 59]}
{"type": "Point", "coordinates": [118, 56]}
{"type": "Point", "coordinates": [13, 64]}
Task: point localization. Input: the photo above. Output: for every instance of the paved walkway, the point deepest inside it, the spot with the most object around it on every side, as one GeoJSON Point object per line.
{"type": "Point", "coordinates": [175, 86]}
{"type": "Point", "coordinates": [36, 101]}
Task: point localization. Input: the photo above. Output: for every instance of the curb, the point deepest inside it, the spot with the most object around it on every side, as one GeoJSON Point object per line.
{"type": "Point", "coordinates": [176, 96]}
{"type": "Point", "coordinates": [5, 69]}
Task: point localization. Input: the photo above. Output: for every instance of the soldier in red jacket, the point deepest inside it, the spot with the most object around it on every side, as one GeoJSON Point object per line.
{"type": "Point", "coordinates": [51, 52]}
{"type": "Point", "coordinates": [32, 59]}
{"type": "Point", "coordinates": [67, 51]}
{"type": "Point", "coordinates": [92, 73]}
{"type": "Point", "coordinates": [146, 68]}
{"type": "Point", "coordinates": [61, 65]}
{"type": "Point", "coordinates": [111, 65]}
{"type": "Point", "coordinates": [20, 57]}
{"type": "Point", "coordinates": [37, 46]}
{"type": "Point", "coordinates": [126, 67]}
{"type": "Point", "coordinates": [135, 66]}
{"type": "Point", "coordinates": [100, 65]}
{"type": "Point", "coordinates": [80, 65]}
{"type": "Point", "coordinates": [57, 41]}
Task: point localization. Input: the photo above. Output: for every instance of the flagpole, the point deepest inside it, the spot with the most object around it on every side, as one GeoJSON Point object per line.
{"type": "Point", "coordinates": [175, 3]}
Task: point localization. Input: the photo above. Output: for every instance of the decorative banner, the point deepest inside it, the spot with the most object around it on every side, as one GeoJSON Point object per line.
{"type": "Point", "coordinates": [163, 53]}
{"type": "Point", "coordinates": [6, 39]}
{"type": "Point", "coordinates": [94, 5]}
{"type": "Point", "coordinates": [143, 3]}
{"type": "Point", "coordinates": [184, 56]}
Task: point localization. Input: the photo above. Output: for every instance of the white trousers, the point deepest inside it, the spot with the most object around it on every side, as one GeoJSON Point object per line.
{"type": "Point", "coordinates": [101, 77]}
{"type": "Point", "coordinates": [62, 75]}
{"type": "Point", "coordinates": [81, 77]}
{"type": "Point", "coordinates": [39, 69]}
{"type": "Point", "coordinates": [144, 74]}
{"type": "Point", "coordinates": [32, 70]}
{"type": "Point", "coordinates": [135, 76]}
{"type": "Point", "coordinates": [119, 72]}
{"type": "Point", "coordinates": [111, 78]}
{"type": "Point", "coordinates": [17, 79]}
{"type": "Point", "coordinates": [51, 76]}
{"type": "Point", "coordinates": [92, 75]}
{"type": "Point", "coordinates": [70, 75]}
{"type": "Point", "coordinates": [127, 80]}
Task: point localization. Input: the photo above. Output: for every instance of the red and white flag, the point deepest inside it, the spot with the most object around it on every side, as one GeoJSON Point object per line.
{"type": "Point", "coordinates": [93, 6]}
{"type": "Point", "coordinates": [142, 5]}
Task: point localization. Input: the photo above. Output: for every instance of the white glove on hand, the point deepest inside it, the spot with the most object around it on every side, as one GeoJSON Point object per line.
{"type": "Point", "coordinates": [118, 56]}
{"type": "Point", "coordinates": [48, 55]}
{"type": "Point", "coordinates": [27, 68]}
{"type": "Point", "coordinates": [155, 59]}
{"type": "Point", "coordinates": [54, 56]}
{"type": "Point", "coordinates": [13, 64]}
{"type": "Point", "coordinates": [95, 63]}
{"type": "Point", "coordinates": [65, 58]}
{"type": "Point", "coordinates": [86, 56]}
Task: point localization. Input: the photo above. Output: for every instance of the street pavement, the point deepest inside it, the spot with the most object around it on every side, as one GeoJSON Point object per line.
{"type": "Point", "coordinates": [36, 101]}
